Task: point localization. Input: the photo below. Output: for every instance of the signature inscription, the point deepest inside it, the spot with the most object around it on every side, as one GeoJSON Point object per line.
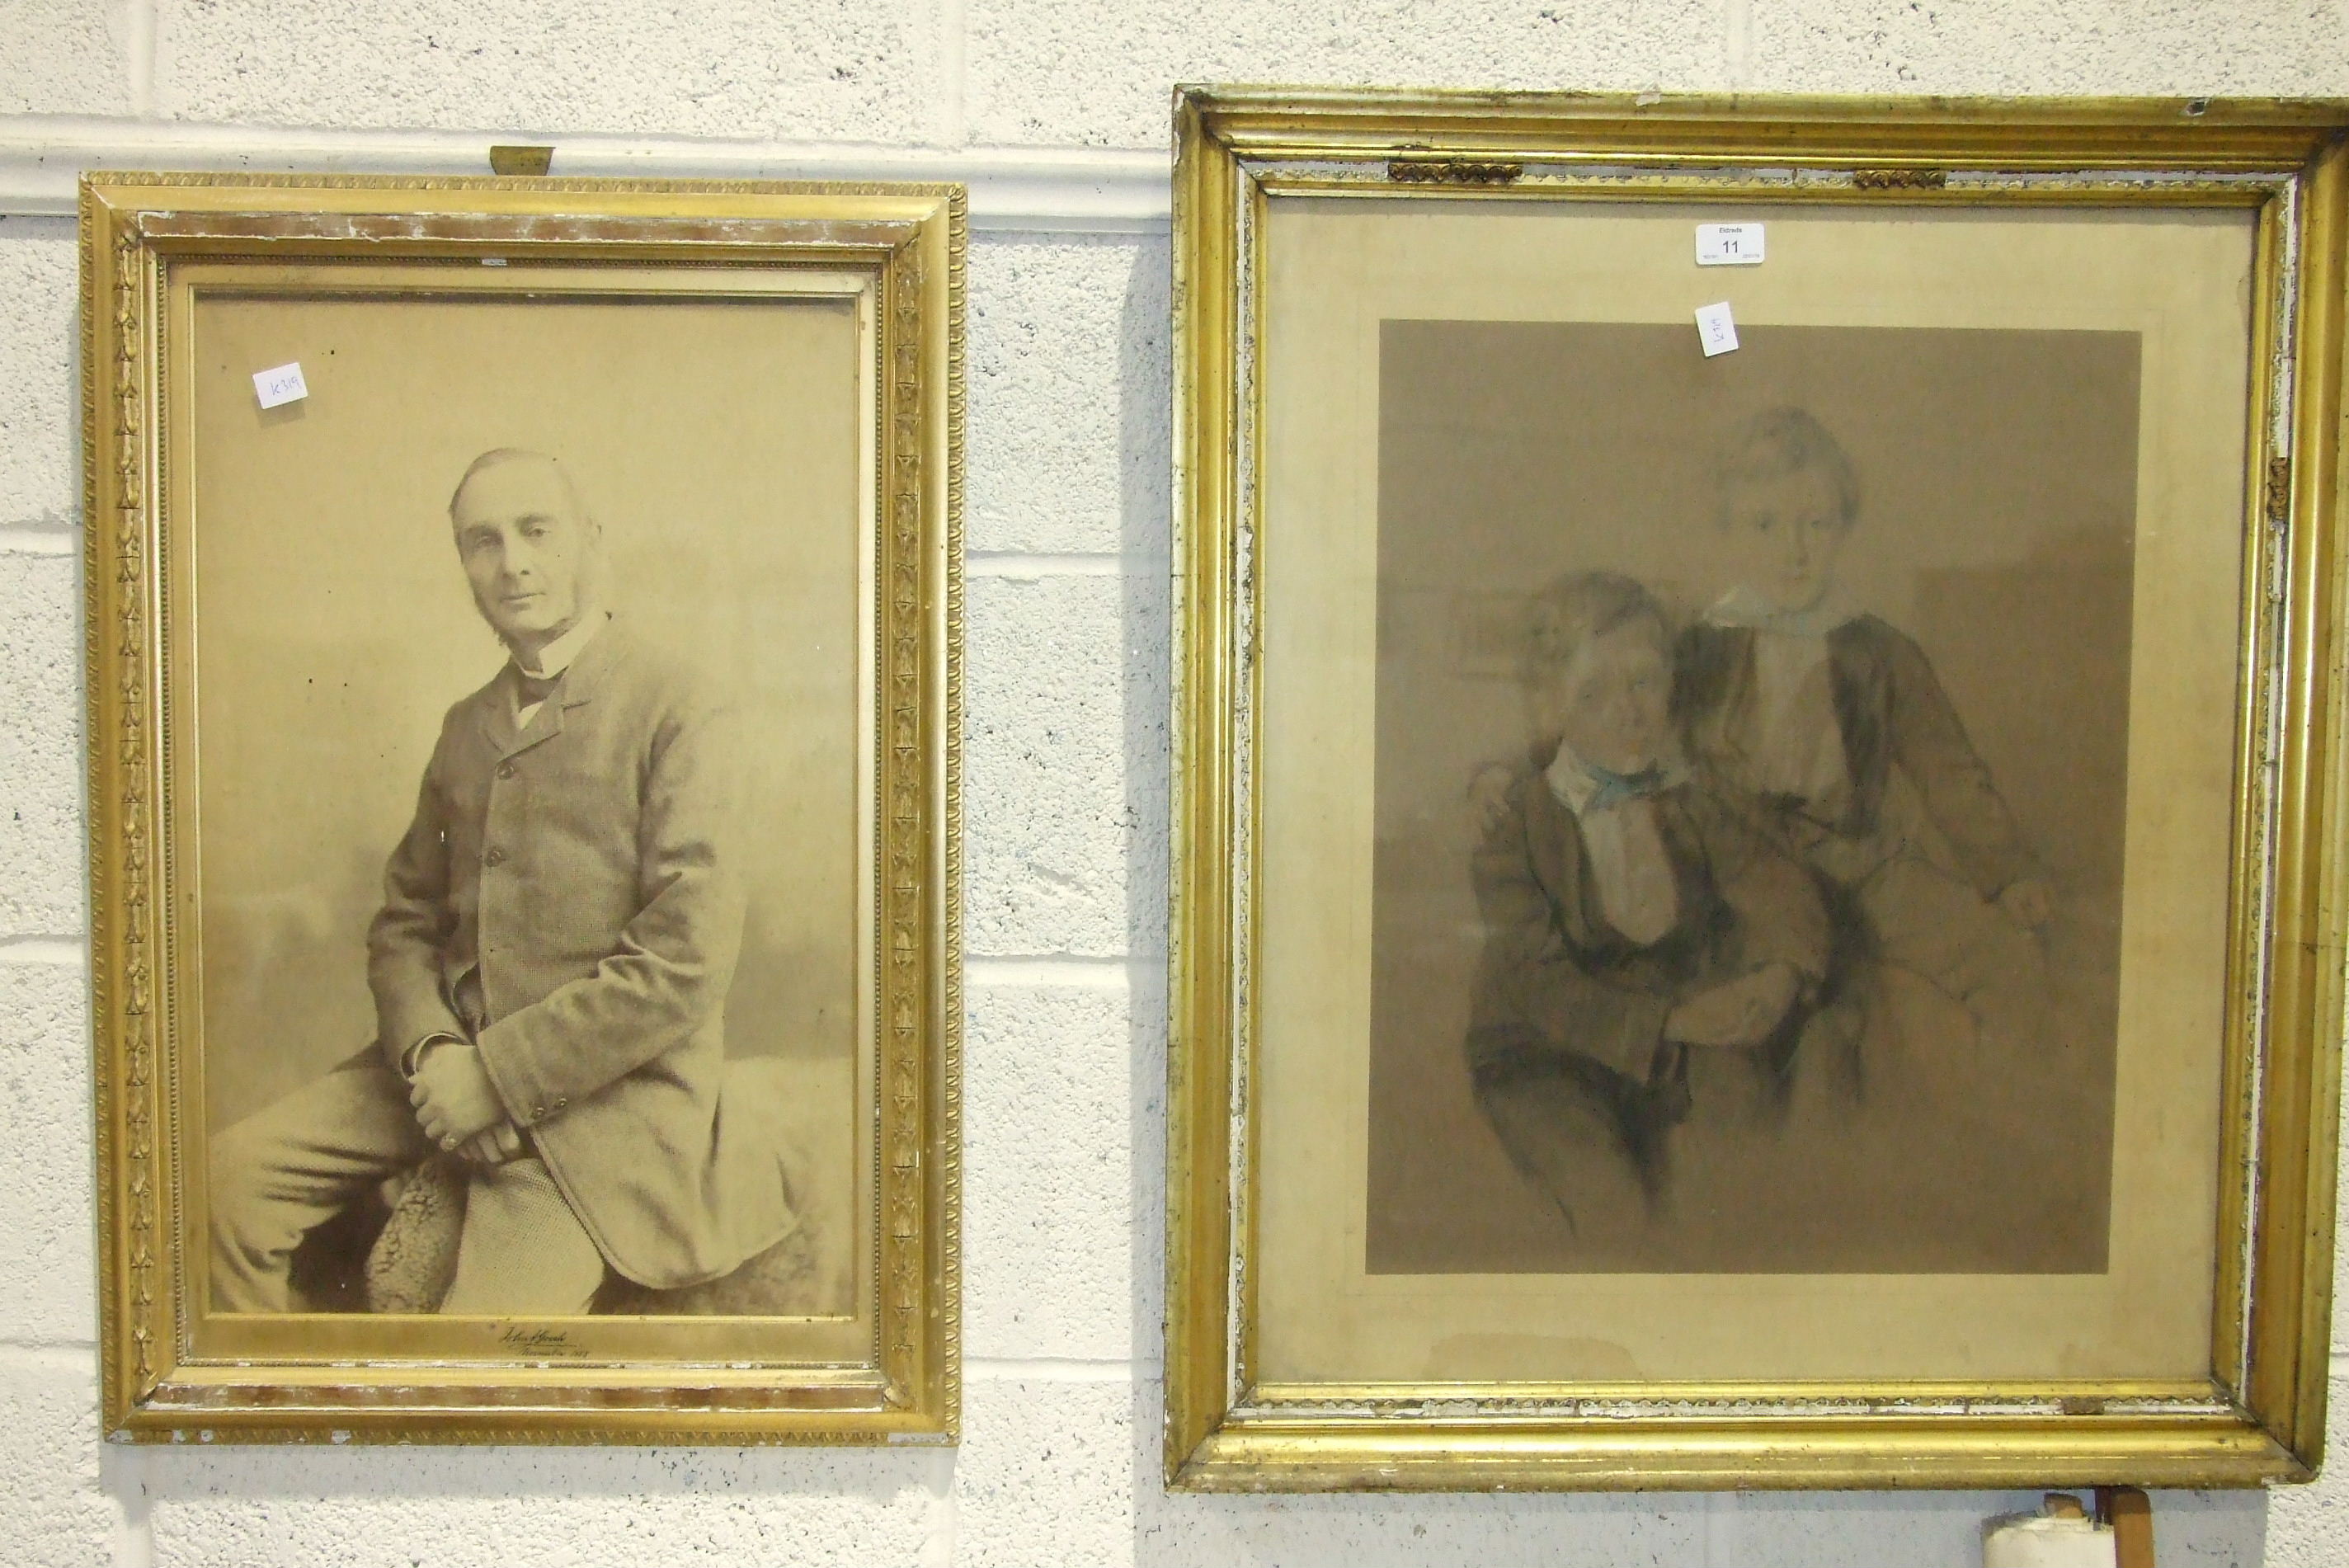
{"type": "Point", "coordinates": [538, 1340]}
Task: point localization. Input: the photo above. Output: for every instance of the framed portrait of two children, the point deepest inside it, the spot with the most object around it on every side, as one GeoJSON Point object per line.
{"type": "Point", "coordinates": [523, 621]}
{"type": "Point", "coordinates": [1758, 791]}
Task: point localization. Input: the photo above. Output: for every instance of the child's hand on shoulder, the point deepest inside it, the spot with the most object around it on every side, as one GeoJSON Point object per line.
{"type": "Point", "coordinates": [1488, 800]}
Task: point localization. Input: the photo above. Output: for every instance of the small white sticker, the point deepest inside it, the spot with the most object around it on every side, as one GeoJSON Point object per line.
{"type": "Point", "coordinates": [1715, 329]}
{"type": "Point", "coordinates": [1729, 244]}
{"type": "Point", "coordinates": [283, 385]}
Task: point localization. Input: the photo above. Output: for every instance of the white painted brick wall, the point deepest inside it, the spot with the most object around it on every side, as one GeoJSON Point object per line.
{"type": "Point", "coordinates": [47, 1294]}
{"type": "Point", "coordinates": [1066, 744]}
{"type": "Point", "coordinates": [829, 69]}
{"type": "Point", "coordinates": [40, 461]}
{"type": "Point", "coordinates": [2251, 48]}
{"type": "Point", "coordinates": [1062, 1184]}
{"type": "Point", "coordinates": [1067, 375]}
{"type": "Point", "coordinates": [1050, 71]}
{"type": "Point", "coordinates": [60, 1499]}
{"type": "Point", "coordinates": [65, 57]}
{"type": "Point", "coordinates": [1065, 721]}
{"type": "Point", "coordinates": [40, 746]}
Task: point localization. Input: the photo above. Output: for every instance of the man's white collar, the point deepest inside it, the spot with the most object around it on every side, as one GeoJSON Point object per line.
{"type": "Point", "coordinates": [558, 656]}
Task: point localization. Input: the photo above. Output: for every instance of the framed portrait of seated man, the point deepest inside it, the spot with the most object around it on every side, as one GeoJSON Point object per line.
{"type": "Point", "coordinates": [1758, 791]}
{"type": "Point", "coordinates": [523, 807]}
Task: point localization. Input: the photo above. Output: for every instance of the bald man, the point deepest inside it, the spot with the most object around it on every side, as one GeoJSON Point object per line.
{"type": "Point", "coordinates": [549, 967]}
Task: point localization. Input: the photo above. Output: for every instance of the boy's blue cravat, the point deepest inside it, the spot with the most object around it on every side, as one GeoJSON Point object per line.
{"type": "Point", "coordinates": [1615, 788]}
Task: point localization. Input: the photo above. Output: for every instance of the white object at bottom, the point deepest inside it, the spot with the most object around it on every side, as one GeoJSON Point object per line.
{"type": "Point", "coordinates": [2036, 1542]}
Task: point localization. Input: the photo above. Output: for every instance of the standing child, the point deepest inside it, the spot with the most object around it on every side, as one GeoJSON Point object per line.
{"type": "Point", "coordinates": [1835, 723]}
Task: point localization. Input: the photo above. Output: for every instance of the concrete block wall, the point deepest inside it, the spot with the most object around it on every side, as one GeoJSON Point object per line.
{"type": "Point", "coordinates": [1066, 733]}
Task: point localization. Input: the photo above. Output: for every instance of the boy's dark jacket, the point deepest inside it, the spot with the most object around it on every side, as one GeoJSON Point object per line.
{"type": "Point", "coordinates": [1892, 709]}
{"type": "Point", "coordinates": [1556, 981]}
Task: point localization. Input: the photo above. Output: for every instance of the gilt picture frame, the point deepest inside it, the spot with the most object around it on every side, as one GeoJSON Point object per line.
{"type": "Point", "coordinates": [523, 802]}
{"type": "Point", "coordinates": [1753, 908]}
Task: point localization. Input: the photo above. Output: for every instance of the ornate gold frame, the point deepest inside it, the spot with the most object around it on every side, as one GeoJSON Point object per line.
{"type": "Point", "coordinates": [2261, 1415]}
{"type": "Point", "coordinates": [903, 248]}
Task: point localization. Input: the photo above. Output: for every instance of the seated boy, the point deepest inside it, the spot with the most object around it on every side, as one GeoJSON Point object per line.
{"type": "Point", "coordinates": [1642, 947]}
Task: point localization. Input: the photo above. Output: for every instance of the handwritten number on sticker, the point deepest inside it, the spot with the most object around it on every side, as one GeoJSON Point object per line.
{"type": "Point", "coordinates": [280, 386]}
{"type": "Point", "coordinates": [1715, 329]}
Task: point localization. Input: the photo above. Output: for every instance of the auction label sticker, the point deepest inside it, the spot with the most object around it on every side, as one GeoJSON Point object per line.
{"type": "Point", "coordinates": [1715, 329]}
{"type": "Point", "coordinates": [281, 385]}
{"type": "Point", "coordinates": [1729, 244]}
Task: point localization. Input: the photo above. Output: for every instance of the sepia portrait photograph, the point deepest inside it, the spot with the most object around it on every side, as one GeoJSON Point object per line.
{"type": "Point", "coordinates": [578, 593]}
{"type": "Point", "coordinates": [523, 674]}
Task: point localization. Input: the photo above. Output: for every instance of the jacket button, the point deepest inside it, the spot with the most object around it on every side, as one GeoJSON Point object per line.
{"type": "Point", "coordinates": [505, 770]}
{"type": "Point", "coordinates": [538, 1113]}
{"type": "Point", "coordinates": [561, 1103]}
{"type": "Point", "coordinates": [494, 858]}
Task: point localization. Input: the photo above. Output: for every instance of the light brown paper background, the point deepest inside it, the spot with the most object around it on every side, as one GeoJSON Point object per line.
{"type": "Point", "coordinates": [1334, 272]}
{"type": "Point", "coordinates": [1997, 501]}
{"type": "Point", "coordinates": [717, 442]}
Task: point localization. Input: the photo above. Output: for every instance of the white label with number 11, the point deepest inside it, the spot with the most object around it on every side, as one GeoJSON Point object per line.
{"type": "Point", "coordinates": [1729, 244]}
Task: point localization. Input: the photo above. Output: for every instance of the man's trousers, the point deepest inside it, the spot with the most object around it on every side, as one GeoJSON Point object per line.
{"type": "Point", "coordinates": [291, 1167]}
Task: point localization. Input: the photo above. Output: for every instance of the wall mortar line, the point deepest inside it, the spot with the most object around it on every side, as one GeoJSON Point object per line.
{"type": "Point", "coordinates": [953, 72]}
{"type": "Point", "coordinates": [1024, 565]}
{"type": "Point", "coordinates": [1049, 1369]}
{"type": "Point", "coordinates": [1057, 970]}
{"type": "Point", "coordinates": [82, 1358]}
{"type": "Point", "coordinates": [139, 52]}
{"type": "Point", "coordinates": [65, 951]}
{"type": "Point", "coordinates": [944, 1520]}
{"type": "Point", "coordinates": [134, 1524]}
{"type": "Point", "coordinates": [1718, 1549]}
{"type": "Point", "coordinates": [1737, 41]}
{"type": "Point", "coordinates": [50, 535]}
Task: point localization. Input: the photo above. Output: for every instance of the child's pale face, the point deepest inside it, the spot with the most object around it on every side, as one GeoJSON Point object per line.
{"type": "Point", "coordinates": [1783, 534]}
{"type": "Point", "coordinates": [1611, 702]}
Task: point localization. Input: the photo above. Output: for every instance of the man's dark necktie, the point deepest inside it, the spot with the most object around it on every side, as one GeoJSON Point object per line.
{"type": "Point", "coordinates": [535, 688]}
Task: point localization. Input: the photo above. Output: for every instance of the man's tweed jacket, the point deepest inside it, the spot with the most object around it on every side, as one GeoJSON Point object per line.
{"type": "Point", "coordinates": [568, 899]}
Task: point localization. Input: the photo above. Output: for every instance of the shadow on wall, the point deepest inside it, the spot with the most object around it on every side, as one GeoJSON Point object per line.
{"type": "Point", "coordinates": [1145, 371]}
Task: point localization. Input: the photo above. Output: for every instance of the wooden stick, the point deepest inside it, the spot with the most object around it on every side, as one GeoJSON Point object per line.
{"type": "Point", "coordinates": [2130, 1514]}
